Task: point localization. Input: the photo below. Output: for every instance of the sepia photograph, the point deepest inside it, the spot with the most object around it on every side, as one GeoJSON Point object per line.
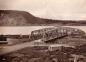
{"type": "Point", "coordinates": [42, 30]}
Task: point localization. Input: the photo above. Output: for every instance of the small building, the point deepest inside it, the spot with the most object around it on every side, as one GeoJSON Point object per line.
{"type": "Point", "coordinates": [58, 47]}
{"type": "Point", "coordinates": [3, 41]}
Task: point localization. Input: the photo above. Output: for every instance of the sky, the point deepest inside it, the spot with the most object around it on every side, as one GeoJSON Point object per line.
{"type": "Point", "coordinates": [52, 9]}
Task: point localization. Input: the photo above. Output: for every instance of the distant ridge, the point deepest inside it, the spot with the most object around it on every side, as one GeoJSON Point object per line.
{"type": "Point", "coordinates": [23, 18]}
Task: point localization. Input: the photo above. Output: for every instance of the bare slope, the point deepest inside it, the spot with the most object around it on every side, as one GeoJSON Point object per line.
{"type": "Point", "coordinates": [22, 18]}
{"type": "Point", "coordinates": [16, 18]}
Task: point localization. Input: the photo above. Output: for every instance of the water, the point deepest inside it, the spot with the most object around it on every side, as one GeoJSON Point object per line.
{"type": "Point", "coordinates": [27, 29]}
{"type": "Point", "coordinates": [6, 30]}
{"type": "Point", "coordinates": [83, 28]}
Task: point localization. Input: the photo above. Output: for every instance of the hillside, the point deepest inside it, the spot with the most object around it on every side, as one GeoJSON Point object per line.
{"type": "Point", "coordinates": [22, 18]}
{"type": "Point", "coordinates": [66, 22]}
{"type": "Point", "coordinates": [17, 18]}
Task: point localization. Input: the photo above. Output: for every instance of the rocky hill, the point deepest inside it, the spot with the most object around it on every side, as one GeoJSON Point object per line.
{"type": "Point", "coordinates": [17, 18]}
{"type": "Point", "coordinates": [22, 18]}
